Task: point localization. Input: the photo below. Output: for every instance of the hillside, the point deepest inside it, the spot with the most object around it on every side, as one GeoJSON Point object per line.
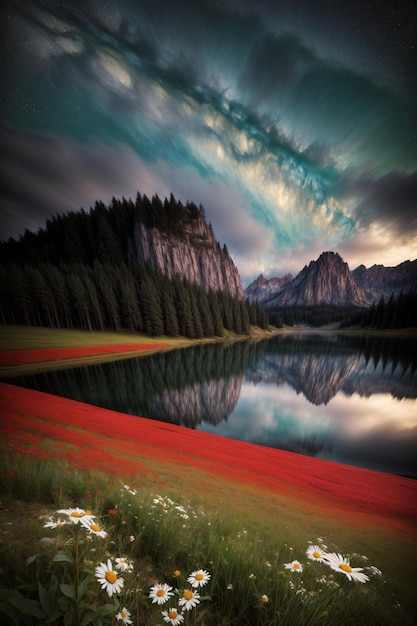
{"type": "Point", "coordinates": [148, 266]}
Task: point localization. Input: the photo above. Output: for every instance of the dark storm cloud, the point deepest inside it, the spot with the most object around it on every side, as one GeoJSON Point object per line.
{"type": "Point", "coordinates": [43, 174]}
{"type": "Point", "coordinates": [390, 200]}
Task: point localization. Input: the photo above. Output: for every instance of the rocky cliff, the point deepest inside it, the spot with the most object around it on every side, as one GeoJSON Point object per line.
{"type": "Point", "coordinates": [378, 281]}
{"type": "Point", "coordinates": [194, 256]}
{"type": "Point", "coordinates": [325, 281]}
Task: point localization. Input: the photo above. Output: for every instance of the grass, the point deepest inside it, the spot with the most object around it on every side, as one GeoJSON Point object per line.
{"type": "Point", "coordinates": [32, 337]}
{"type": "Point", "coordinates": [161, 533]}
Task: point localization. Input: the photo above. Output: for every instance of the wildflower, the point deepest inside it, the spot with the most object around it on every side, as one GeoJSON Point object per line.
{"type": "Point", "coordinates": [375, 570]}
{"type": "Point", "coordinates": [315, 553]}
{"type": "Point", "coordinates": [130, 490]}
{"type": "Point", "coordinates": [177, 573]}
{"type": "Point", "coordinates": [54, 523]}
{"type": "Point", "coordinates": [172, 617]}
{"type": "Point", "coordinates": [124, 615]}
{"type": "Point", "coordinates": [160, 593]}
{"type": "Point", "coordinates": [294, 566]}
{"type": "Point", "coordinates": [229, 586]}
{"type": "Point", "coordinates": [264, 599]}
{"type": "Point", "coordinates": [199, 578]}
{"type": "Point", "coordinates": [124, 565]}
{"type": "Point", "coordinates": [267, 564]}
{"type": "Point", "coordinates": [189, 599]}
{"type": "Point", "coordinates": [76, 514]}
{"type": "Point", "coordinates": [132, 538]}
{"type": "Point", "coordinates": [94, 528]}
{"type": "Point", "coordinates": [252, 576]}
{"type": "Point", "coordinates": [340, 564]}
{"type": "Point", "coordinates": [112, 512]}
{"type": "Point", "coordinates": [107, 578]}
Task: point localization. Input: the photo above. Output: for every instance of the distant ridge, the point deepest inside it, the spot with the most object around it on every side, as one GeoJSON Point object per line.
{"type": "Point", "coordinates": [329, 281]}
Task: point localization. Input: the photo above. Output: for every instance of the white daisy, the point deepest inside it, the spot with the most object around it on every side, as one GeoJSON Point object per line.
{"type": "Point", "coordinates": [107, 578]}
{"type": "Point", "coordinates": [124, 565]}
{"type": "Point", "coordinates": [54, 523]}
{"type": "Point", "coordinates": [199, 578]}
{"type": "Point", "coordinates": [160, 593]}
{"type": "Point", "coordinates": [172, 617]}
{"type": "Point", "coordinates": [124, 615]}
{"type": "Point", "coordinates": [294, 566]}
{"type": "Point", "coordinates": [341, 564]}
{"type": "Point", "coordinates": [189, 599]}
{"type": "Point", "coordinates": [93, 527]}
{"type": "Point", "coordinates": [315, 553]}
{"type": "Point", "coordinates": [75, 515]}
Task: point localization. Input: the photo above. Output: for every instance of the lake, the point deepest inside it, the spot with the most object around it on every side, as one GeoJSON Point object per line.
{"type": "Point", "coordinates": [346, 399]}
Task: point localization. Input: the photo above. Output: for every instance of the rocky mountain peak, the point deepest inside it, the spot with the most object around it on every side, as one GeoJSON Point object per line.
{"type": "Point", "coordinates": [327, 280]}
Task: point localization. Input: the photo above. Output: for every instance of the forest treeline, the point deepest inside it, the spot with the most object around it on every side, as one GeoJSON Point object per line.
{"type": "Point", "coordinates": [76, 273]}
{"type": "Point", "coordinates": [396, 312]}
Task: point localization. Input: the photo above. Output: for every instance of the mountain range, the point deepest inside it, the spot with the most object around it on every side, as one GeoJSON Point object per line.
{"type": "Point", "coordinates": [329, 281]}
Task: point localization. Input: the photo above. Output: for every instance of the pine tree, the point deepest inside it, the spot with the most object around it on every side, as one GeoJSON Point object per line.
{"type": "Point", "coordinates": [168, 310]}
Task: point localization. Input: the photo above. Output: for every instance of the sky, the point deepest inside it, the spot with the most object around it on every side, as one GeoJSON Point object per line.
{"type": "Point", "coordinates": [293, 122]}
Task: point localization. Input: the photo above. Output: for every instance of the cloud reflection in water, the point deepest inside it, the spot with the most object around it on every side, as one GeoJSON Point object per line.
{"type": "Point", "coordinates": [378, 432]}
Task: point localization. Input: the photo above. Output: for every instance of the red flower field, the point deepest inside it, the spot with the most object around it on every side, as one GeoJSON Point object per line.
{"type": "Point", "coordinates": [130, 446]}
{"type": "Point", "coordinates": [22, 357]}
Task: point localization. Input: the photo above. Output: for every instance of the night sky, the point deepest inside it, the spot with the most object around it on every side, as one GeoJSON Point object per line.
{"type": "Point", "coordinates": [293, 122]}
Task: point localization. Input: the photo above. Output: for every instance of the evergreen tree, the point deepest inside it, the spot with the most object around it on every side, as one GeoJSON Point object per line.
{"type": "Point", "coordinates": [79, 299]}
{"type": "Point", "coordinates": [171, 327]}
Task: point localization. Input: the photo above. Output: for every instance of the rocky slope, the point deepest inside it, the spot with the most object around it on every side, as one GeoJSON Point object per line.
{"type": "Point", "coordinates": [325, 281]}
{"type": "Point", "coordinates": [263, 289]}
{"type": "Point", "coordinates": [378, 281]}
{"type": "Point", "coordinates": [195, 256]}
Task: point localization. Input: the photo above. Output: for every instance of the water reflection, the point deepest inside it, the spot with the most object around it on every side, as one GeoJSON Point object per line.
{"type": "Point", "coordinates": [351, 400]}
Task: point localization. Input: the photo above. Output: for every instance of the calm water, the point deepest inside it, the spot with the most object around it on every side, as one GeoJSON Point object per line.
{"type": "Point", "coordinates": [333, 397]}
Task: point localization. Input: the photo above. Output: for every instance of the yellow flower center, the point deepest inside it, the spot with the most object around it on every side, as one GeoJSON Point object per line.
{"type": "Point", "coordinates": [199, 576]}
{"type": "Point", "coordinates": [188, 594]}
{"type": "Point", "coordinates": [296, 565]}
{"type": "Point", "coordinates": [123, 613]}
{"type": "Point", "coordinates": [160, 593]}
{"type": "Point", "coordinates": [177, 573]}
{"type": "Point", "coordinates": [316, 554]}
{"type": "Point", "coordinates": [58, 524]}
{"type": "Point", "coordinates": [172, 614]}
{"type": "Point", "coordinates": [95, 527]}
{"type": "Point", "coordinates": [111, 576]}
{"type": "Point", "coordinates": [76, 514]}
{"type": "Point", "coordinates": [345, 567]}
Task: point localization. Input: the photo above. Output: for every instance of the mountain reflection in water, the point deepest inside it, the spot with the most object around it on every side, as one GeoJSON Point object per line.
{"type": "Point", "coordinates": [345, 399]}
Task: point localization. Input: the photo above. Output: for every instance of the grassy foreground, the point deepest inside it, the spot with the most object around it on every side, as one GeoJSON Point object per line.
{"type": "Point", "coordinates": [194, 502]}
{"type": "Point", "coordinates": [256, 573]}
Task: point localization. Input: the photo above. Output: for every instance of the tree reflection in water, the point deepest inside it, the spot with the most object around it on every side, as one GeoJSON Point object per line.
{"type": "Point", "coordinates": [310, 393]}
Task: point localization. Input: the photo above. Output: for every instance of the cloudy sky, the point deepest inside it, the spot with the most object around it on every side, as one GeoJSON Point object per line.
{"type": "Point", "coordinates": [293, 122]}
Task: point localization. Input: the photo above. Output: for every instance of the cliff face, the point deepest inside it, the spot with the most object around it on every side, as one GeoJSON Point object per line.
{"type": "Point", "coordinates": [195, 256]}
{"type": "Point", "coordinates": [325, 281]}
{"type": "Point", "coordinates": [378, 281]}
